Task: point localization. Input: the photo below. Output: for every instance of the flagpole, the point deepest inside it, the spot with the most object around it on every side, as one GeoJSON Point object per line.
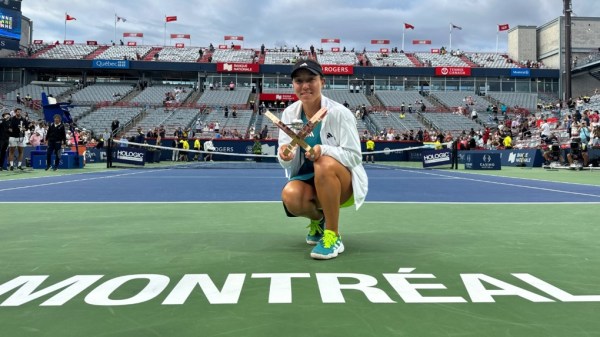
{"type": "Point", "coordinates": [65, 27]}
{"type": "Point", "coordinates": [450, 44]}
{"type": "Point", "coordinates": [115, 37]}
{"type": "Point", "coordinates": [165, 33]}
{"type": "Point", "coordinates": [497, 34]}
{"type": "Point", "coordinates": [403, 30]}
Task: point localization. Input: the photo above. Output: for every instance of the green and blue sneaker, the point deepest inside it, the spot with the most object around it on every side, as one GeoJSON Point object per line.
{"type": "Point", "coordinates": [315, 231]}
{"type": "Point", "coordinates": [328, 247]}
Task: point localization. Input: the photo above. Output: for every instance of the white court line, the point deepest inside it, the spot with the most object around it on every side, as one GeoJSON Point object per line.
{"type": "Point", "coordinates": [69, 181]}
{"type": "Point", "coordinates": [513, 185]}
{"type": "Point", "coordinates": [279, 202]}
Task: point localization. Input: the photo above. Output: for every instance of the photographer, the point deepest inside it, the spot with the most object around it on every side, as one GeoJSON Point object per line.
{"type": "Point", "coordinates": [16, 131]}
{"type": "Point", "coordinates": [578, 152]}
{"type": "Point", "coordinates": [553, 154]}
{"type": "Point", "coordinates": [55, 138]}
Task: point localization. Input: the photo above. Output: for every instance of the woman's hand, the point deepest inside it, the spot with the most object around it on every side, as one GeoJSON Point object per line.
{"type": "Point", "coordinates": [316, 155]}
{"type": "Point", "coordinates": [289, 149]}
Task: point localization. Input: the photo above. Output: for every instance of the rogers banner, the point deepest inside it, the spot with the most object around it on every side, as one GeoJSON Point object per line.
{"type": "Point", "coordinates": [384, 50]}
{"type": "Point", "coordinates": [335, 49]}
{"type": "Point", "coordinates": [38, 41]}
{"type": "Point", "coordinates": [179, 45]}
{"type": "Point", "coordinates": [69, 42]}
{"type": "Point", "coordinates": [92, 43]}
{"type": "Point", "coordinates": [233, 37]}
{"type": "Point", "coordinates": [181, 36]}
{"type": "Point", "coordinates": [421, 41]}
{"type": "Point", "coordinates": [330, 40]}
{"type": "Point", "coordinates": [336, 69]}
{"type": "Point", "coordinates": [380, 41]}
{"type": "Point", "coordinates": [435, 51]}
{"type": "Point", "coordinates": [222, 46]}
{"type": "Point", "coordinates": [132, 43]}
{"type": "Point", "coordinates": [278, 97]}
{"type": "Point", "coordinates": [133, 34]}
{"type": "Point", "coordinates": [452, 71]}
{"type": "Point", "coordinates": [230, 67]}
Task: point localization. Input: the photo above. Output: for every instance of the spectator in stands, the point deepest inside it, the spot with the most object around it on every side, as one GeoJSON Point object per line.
{"type": "Point", "coordinates": [264, 133]}
{"type": "Point", "coordinates": [19, 98]}
{"type": "Point", "coordinates": [410, 109]}
{"type": "Point", "coordinates": [474, 115]}
{"type": "Point", "coordinates": [346, 104]}
{"type": "Point", "coordinates": [507, 142]}
{"type": "Point", "coordinates": [226, 112]}
{"type": "Point", "coordinates": [35, 139]}
{"type": "Point", "coordinates": [545, 132]}
{"type": "Point", "coordinates": [231, 86]}
{"type": "Point", "coordinates": [234, 112]}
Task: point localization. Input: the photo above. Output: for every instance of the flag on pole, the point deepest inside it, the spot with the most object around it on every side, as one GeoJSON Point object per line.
{"type": "Point", "coordinates": [171, 18]}
{"type": "Point", "coordinates": [503, 27]}
{"type": "Point", "coordinates": [453, 26]}
{"type": "Point", "coordinates": [119, 18]}
{"type": "Point", "coordinates": [408, 26]}
{"type": "Point", "coordinates": [69, 18]}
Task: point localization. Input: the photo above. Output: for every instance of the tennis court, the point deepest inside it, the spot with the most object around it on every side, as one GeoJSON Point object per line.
{"type": "Point", "coordinates": [209, 252]}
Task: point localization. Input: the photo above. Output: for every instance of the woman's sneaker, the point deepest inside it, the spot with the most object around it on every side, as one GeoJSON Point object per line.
{"type": "Point", "coordinates": [315, 231]}
{"type": "Point", "coordinates": [328, 247]}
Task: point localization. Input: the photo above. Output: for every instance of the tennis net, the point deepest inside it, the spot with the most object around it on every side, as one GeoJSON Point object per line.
{"type": "Point", "coordinates": [132, 154]}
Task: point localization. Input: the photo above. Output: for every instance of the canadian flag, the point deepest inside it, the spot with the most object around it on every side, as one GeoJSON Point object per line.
{"type": "Point", "coordinates": [503, 27]}
{"type": "Point", "coordinates": [69, 18]}
{"type": "Point", "coordinates": [171, 18]}
{"type": "Point", "coordinates": [408, 26]}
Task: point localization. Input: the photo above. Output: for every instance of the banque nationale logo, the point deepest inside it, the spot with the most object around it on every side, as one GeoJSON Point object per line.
{"type": "Point", "coordinates": [278, 287]}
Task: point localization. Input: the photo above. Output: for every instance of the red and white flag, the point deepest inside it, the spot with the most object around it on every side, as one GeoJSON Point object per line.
{"type": "Point", "coordinates": [171, 18]}
{"type": "Point", "coordinates": [69, 18]}
{"type": "Point", "coordinates": [503, 27]}
{"type": "Point", "coordinates": [408, 26]}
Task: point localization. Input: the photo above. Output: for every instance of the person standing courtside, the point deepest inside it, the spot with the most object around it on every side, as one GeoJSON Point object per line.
{"type": "Point", "coordinates": [333, 177]}
{"type": "Point", "coordinates": [56, 137]}
{"type": "Point", "coordinates": [17, 127]}
{"type": "Point", "coordinates": [4, 124]}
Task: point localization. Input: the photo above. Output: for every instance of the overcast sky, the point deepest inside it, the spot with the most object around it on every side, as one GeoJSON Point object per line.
{"type": "Point", "coordinates": [295, 22]}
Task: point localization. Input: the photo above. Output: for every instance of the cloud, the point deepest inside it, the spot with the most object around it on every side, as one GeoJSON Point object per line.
{"type": "Point", "coordinates": [298, 23]}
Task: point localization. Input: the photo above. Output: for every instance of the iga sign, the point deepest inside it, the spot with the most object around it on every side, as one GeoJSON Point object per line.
{"type": "Point", "coordinates": [452, 71]}
{"type": "Point", "coordinates": [230, 67]}
{"type": "Point", "coordinates": [335, 69]}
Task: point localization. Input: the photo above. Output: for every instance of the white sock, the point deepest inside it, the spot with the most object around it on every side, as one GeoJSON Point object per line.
{"type": "Point", "coordinates": [11, 163]}
{"type": "Point", "coordinates": [19, 164]}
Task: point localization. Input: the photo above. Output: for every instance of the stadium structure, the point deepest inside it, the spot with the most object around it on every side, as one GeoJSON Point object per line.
{"type": "Point", "coordinates": [130, 81]}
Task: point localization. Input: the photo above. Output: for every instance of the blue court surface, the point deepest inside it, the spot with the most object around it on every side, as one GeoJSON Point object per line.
{"type": "Point", "coordinates": [204, 185]}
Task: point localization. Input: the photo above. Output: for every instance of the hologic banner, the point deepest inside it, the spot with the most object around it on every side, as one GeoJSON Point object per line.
{"type": "Point", "coordinates": [433, 158]}
{"type": "Point", "coordinates": [129, 155]}
{"type": "Point", "coordinates": [482, 161]}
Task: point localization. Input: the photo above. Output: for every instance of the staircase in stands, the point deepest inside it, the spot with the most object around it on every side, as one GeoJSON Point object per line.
{"type": "Point", "coordinates": [414, 60]}
{"type": "Point", "coordinates": [96, 52]}
{"type": "Point", "coordinates": [151, 53]}
{"type": "Point", "coordinates": [42, 51]}
{"type": "Point", "coordinates": [469, 62]}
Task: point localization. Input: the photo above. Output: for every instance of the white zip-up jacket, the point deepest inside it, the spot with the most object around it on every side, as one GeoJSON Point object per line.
{"type": "Point", "coordinates": [339, 138]}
